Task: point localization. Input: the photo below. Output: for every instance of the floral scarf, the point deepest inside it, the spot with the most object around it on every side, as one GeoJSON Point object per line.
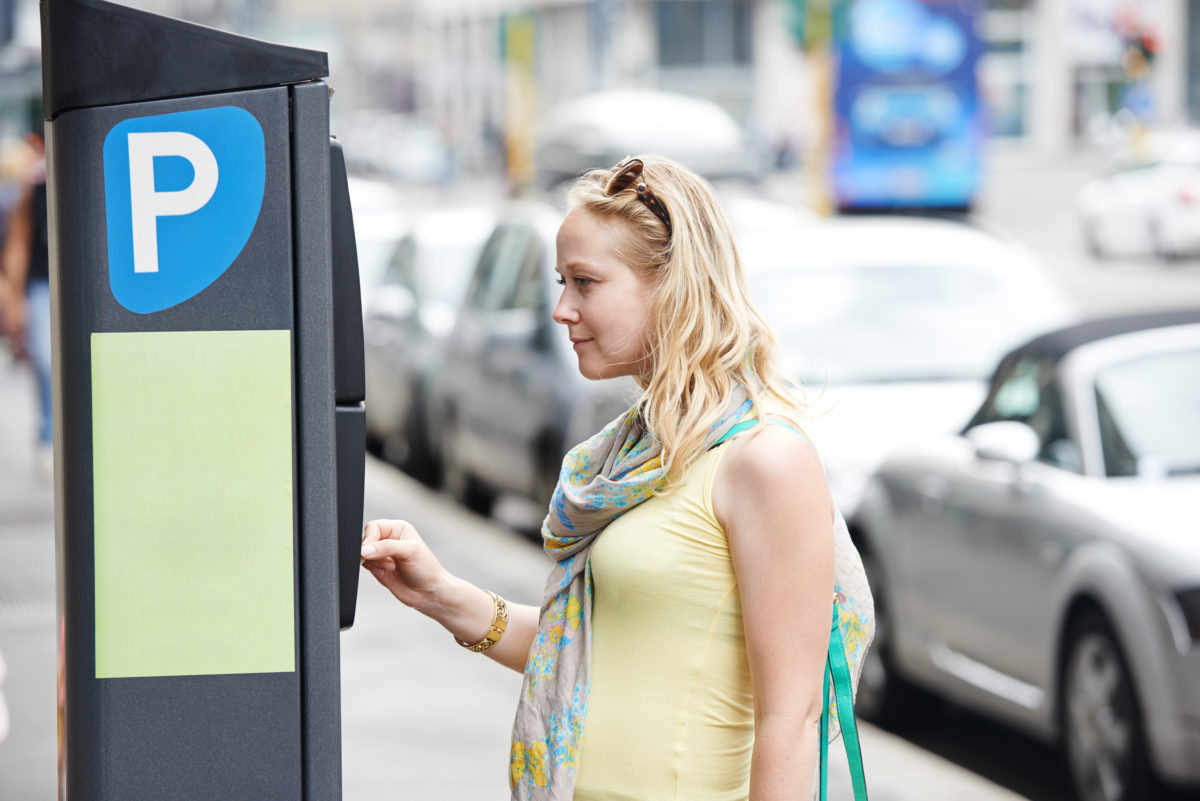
{"type": "Point", "coordinates": [601, 479]}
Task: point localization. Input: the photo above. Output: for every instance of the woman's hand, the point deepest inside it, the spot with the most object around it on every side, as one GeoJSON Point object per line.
{"type": "Point", "coordinates": [394, 553]}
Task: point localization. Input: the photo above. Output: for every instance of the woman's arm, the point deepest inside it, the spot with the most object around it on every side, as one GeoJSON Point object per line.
{"type": "Point", "coordinates": [396, 555]}
{"type": "Point", "coordinates": [771, 497]}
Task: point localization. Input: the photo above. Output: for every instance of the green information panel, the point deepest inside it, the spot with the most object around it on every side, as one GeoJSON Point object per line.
{"type": "Point", "coordinates": [192, 449]}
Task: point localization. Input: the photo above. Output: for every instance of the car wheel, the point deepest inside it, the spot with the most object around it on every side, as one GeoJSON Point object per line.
{"type": "Point", "coordinates": [884, 697]}
{"type": "Point", "coordinates": [458, 482]}
{"type": "Point", "coordinates": [1103, 733]}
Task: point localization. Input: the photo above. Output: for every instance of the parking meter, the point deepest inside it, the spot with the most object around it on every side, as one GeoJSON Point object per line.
{"type": "Point", "coordinates": [208, 389]}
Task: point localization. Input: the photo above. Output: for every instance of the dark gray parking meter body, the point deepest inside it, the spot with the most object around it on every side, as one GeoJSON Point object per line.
{"type": "Point", "coordinates": [208, 409]}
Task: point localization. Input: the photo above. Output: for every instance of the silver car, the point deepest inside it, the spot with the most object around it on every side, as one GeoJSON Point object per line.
{"type": "Point", "coordinates": [408, 313]}
{"type": "Point", "coordinates": [1043, 566]}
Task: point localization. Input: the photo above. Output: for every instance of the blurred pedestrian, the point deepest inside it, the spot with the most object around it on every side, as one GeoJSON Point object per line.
{"type": "Point", "coordinates": [691, 638]}
{"type": "Point", "coordinates": [25, 297]}
{"type": "Point", "coordinates": [17, 158]}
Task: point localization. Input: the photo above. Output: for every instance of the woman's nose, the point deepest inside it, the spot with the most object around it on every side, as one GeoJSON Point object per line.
{"type": "Point", "coordinates": [564, 311]}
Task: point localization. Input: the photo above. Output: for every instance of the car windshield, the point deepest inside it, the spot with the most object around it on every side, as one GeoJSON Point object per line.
{"type": "Point", "coordinates": [448, 269]}
{"type": "Point", "coordinates": [1147, 410]}
{"type": "Point", "coordinates": [878, 323]}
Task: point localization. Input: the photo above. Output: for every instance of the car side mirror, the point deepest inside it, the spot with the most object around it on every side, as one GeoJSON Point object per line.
{"type": "Point", "coordinates": [392, 302]}
{"type": "Point", "coordinates": [1005, 441]}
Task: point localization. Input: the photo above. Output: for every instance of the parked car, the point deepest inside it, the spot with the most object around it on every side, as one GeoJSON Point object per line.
{"type": "Point", "coordinates": [507, 377]}
{"type": "Point", "coordinates": [892, 326]}
{"type": "Point", "coordinates": [406, 319]}
{"type": "Point", "coordinates": [888, 326]}
{"type": "Point", "coordinates": [600, 129]}
{"type": "Point", "coordinates": [1042, 565]}
{"type": "Point", "coordinates": [1147, 206]}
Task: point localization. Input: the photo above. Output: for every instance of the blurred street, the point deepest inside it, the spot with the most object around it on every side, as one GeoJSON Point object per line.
{"type": "Point", "coordinates": [424, 720]}
{"type": "Point", "coordinates": [1035, 204]}
{"type": "Point", "coordinates": [943, 208]}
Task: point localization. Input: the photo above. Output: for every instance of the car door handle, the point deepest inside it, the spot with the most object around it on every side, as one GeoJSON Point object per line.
{"type": "Point", "coordinates": [931, 492]}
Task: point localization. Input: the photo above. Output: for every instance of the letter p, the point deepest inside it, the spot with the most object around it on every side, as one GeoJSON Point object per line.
{"type": "Point", "coordinates": [147, 205]}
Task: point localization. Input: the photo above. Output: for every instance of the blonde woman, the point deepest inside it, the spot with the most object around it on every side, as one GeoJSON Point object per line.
{"type": "Point", "coordinates": [680, 648]}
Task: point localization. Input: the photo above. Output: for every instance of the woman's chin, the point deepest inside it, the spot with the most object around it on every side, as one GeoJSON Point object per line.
{"type": "Point", "coordinates": [591, 371]}
{"type": "Point", "coordinates": [590, 375]}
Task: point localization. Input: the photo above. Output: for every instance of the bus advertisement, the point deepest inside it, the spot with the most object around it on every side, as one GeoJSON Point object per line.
{"type": "Point", "coordinates": [908, 122]}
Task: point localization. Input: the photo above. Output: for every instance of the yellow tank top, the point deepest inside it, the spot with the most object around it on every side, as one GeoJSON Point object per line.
{"type": "Point", "coordinates": [670, 714]}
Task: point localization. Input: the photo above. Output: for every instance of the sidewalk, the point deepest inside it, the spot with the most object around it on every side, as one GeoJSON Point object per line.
{"type": "Point", "coordinates": [28, 755]}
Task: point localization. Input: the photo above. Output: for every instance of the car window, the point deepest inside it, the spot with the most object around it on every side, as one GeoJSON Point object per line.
{"type": "Point", "coordinates": [499, 270]}
{"type": "Point", "coordinates": [1028, 393]}
{"type": "Point", "coordinates": [487, 256]}
{"type": "Point", "coordinates": [531, 288]}
{"type": "Point", "coordinates": [401, 268]}
{"type": "Point", "coordinates": [1146, 410]}
{"type": "Point", "coordinates": [444, 271]}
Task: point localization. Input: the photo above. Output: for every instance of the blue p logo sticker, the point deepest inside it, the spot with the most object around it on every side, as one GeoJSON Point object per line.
{"type": "Point", "coordinates": [182, 192]}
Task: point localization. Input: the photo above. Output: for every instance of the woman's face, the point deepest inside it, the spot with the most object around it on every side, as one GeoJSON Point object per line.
{"type": "Point", "coordinates": [605, 305]}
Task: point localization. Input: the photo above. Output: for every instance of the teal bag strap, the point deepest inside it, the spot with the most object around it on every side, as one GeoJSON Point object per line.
{"type": "Point", "coordinates": [737, 429]}
{"type": "Point", "coordinates": [837, 667]}
{"type": "Point", "coordinates": [742, 426]}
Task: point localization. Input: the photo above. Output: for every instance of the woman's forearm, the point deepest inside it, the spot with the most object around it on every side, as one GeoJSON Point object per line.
{"type": "Point", "coordinates": [399, 559]}
{"type": "Point", "coordinates": [466, 612]}
{"type": "Point", "coordinates": [784, 763]}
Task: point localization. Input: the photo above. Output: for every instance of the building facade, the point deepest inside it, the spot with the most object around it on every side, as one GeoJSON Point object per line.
{"type": "Point", "coordinates": [474, 70]}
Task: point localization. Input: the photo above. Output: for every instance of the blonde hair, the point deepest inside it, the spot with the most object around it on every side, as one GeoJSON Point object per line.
{"type": "Point", "coordinates": [706, 336]}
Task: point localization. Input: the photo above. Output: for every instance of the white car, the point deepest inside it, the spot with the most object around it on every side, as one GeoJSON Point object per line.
{"type": "Point", "coordinates": [893, 325]}
{"type": "Point", "coordinates": [1152, 206]}
{"type": "Point", "coordinates": [598, 130]}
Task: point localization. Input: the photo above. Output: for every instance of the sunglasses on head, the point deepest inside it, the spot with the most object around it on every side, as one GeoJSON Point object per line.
{"type": "Point", "coordinates": [629, 174]}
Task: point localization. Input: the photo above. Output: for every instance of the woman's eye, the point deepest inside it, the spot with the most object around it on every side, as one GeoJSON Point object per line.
{"type": "Point", "coordinates": [560, 281]}
{"type": "Point", "coordinates": [583, 283]}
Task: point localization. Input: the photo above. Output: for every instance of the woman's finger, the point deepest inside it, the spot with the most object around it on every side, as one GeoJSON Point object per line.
{"type": "Point", "coordinates": [389, 549]}
{"type": "Point", "coordinates": [389, 530]}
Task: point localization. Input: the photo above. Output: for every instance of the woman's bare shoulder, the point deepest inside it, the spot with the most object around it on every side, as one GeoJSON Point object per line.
{"type": "Point", "coordinates": [771, 464]}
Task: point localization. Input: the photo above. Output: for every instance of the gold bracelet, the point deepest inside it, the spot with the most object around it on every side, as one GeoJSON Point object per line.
{"type": "Point", "coordinates": [499, 624]}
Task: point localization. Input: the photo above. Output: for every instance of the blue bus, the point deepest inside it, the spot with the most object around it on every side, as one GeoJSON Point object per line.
{"type": "Point", "coordinates": [908, 121]}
